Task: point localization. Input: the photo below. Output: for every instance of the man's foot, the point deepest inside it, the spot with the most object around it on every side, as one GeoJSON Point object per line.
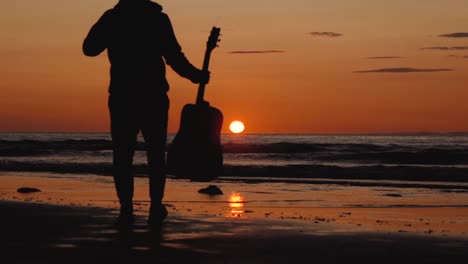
{"type": "Point", "coordinates": [157, 215]}
{"type": "Point", "coordinates": [124, 221]}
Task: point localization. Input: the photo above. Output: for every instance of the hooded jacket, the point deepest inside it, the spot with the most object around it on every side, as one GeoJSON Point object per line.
{"type": "Point", "coordinates": [139, 39]}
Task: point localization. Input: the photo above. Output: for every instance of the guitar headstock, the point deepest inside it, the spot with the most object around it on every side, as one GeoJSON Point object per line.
{"type": "Point", "coordinates": [213, 39]}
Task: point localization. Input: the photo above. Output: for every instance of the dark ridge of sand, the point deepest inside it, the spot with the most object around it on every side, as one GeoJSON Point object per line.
{"type": "Point", "coordinates": [33, 233]}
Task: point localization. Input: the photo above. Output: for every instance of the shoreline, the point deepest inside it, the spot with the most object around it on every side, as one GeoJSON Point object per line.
{"type": "Point", "coordinates": [292, 173]}
{"type": "Point", "coordinates": [445, 184]}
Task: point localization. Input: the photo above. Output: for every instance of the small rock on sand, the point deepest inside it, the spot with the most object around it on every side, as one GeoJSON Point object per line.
{"type": "Point", "coordinates": [211, 190]}
{"type": "Point", "coordinates": [28, 190]}
{"type": "Point", "coordinates": [393, 195]}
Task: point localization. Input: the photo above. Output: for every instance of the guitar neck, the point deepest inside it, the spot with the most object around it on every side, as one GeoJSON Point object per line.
{"type": "Point", "coordinates": [202, 86]}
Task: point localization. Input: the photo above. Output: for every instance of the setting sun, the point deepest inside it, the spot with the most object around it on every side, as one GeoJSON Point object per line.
{"type": "Point", "coordinates": [237, 127]}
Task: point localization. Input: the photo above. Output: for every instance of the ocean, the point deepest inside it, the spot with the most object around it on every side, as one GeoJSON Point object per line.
{"type": "Point", "coordinates": [425, 157]}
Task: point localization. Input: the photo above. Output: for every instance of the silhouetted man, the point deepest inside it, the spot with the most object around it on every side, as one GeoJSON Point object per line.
{"type": "Point", "coordinates": [139, 38]}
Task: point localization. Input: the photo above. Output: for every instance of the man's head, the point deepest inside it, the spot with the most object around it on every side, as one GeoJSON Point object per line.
{"type": "Point", "coordinates": [126, 3]}
{"type": "Point", "coordinates": [132, 1]}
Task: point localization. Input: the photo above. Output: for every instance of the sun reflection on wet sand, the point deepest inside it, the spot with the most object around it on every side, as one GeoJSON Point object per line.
{"type": "Point", "coordinates": [236, 204]}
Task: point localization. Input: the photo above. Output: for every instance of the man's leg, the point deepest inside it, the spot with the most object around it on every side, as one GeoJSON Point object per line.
{"type": "Point", "coordinates": [154, 130]}
{"type": "Point", "coordinates": [124, 131]}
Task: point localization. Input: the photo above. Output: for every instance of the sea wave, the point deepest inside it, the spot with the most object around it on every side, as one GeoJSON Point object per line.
{"type": "Point", "coordinates": [311, 152]}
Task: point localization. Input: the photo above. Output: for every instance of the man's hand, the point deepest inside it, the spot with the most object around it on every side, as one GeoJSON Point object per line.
{"type": "Point", "coordinates": [202, 77]}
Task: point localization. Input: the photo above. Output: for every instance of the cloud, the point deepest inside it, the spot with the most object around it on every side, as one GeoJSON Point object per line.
{"type": "Point", "coordinates": [325, 34]}
{"type": "Point", "coordinates": [459, 56]}
{"type": "Point", "coordinates": [256, 51]}
{"type": "Point", "coordinates": [446, 48]}
{"type": "Point", "coordinates": [384, 58]}
{"type": "Point", "coordinates": [402, 70]}
{"type": "Point", "coordinates": [455, 35]}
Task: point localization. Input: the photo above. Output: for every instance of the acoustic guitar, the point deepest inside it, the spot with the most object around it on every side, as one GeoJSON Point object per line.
{"type": "Point", "coordinates": [196, 151]}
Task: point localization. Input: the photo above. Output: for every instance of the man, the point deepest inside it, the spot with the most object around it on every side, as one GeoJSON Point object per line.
{"type": "Point", "coordinates": [138, 36]}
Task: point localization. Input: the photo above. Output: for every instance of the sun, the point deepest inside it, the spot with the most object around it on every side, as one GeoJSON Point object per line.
{"type": "Point", "coordinates": [237, 127]}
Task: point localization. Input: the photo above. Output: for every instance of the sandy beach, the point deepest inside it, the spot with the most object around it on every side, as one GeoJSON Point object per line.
{"type": "Point", "coordinates": [70, 220]}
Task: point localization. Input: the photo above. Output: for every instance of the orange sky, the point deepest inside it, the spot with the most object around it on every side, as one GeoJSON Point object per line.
{"type": "Point", "coordinates": [311, 87]}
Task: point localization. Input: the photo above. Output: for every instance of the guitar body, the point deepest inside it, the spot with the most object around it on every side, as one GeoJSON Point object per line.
{"type": "Point", "coordinates": [196, 151]}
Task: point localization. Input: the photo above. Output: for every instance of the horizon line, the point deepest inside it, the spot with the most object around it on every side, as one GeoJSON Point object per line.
{"type": "Point", "coordinates": [264, 133]}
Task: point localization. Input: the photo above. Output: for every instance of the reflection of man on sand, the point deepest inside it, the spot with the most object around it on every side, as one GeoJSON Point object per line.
{"type": "Point", "coordinates": [139, 38]}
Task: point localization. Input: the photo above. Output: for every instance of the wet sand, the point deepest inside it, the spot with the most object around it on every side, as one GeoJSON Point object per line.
{"type": "Point", "coordinates": [69, 221]}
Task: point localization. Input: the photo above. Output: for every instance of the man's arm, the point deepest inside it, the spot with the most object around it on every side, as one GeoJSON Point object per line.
{"type": "Point", "coordinates": [174, 56]}
{"type": "Point", "coordinates": [96, 41]}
